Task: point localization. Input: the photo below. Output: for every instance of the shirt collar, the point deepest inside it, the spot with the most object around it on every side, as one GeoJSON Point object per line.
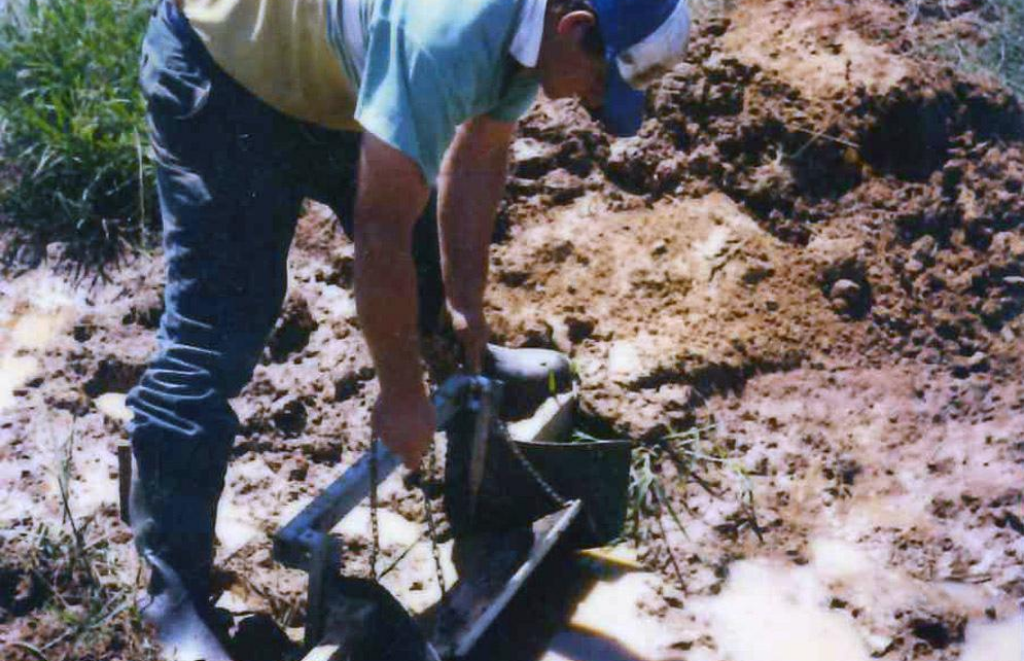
{"type": "Point", "coordinates": [526, 42]}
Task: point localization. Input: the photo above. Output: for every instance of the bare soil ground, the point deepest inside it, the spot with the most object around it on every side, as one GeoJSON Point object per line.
{"type": "Point", "coordinates": [812, 257]}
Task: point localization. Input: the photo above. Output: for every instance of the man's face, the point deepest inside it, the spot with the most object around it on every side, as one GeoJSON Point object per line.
{"type": "Point", "coordinates": [569, 68]}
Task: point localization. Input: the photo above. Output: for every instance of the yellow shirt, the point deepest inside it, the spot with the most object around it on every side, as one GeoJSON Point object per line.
{"type": "Point", "coordinates": [279, 50]}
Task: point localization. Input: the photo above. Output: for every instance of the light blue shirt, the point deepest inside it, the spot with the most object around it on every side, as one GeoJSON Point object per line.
{"type": "Point", "coordinates": [430, 65]}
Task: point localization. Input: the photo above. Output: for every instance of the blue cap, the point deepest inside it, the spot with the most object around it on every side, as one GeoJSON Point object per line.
{"type": "Point", "coordinates": [642, 39]}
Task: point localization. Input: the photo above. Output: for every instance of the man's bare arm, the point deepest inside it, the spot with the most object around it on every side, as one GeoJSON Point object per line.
{"type": "Point", "coordinates": [391, 196]}
{"type": "Point", "coordinates": [471, 184]}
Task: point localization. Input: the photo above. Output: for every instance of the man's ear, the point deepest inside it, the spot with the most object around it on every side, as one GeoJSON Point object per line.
{"type": "Point", "coordinates": [576, 24]}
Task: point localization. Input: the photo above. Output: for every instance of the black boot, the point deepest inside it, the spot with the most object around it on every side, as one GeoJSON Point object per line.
{"type": "Point", "coordinates": [530, 377]}
{"type": "Point", "coordinates": [173, 511]}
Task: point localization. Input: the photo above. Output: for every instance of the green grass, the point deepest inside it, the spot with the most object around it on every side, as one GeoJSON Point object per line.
{"type": "Point", "coordinates": [88, 609]}
{"type": "Point", "coordinates": [72, 138]}
{"type": "Point", "coordinates": [997, 47]}
{"type": "Point", "coordinates": [695, 453]}
{"type": "Point", "coordinates": [1004, 52]}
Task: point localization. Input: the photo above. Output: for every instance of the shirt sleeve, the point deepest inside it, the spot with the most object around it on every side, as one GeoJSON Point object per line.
{"type": "Point", "coordinates": [404, 98]}
{"type": "Point", "coordinates": [519, 98]}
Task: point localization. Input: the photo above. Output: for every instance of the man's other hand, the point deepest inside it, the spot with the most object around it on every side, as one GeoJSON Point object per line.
{"type": "Point", "coordinates": [405, 423]}
{"type": "Point", "coordinates": [472, 331]}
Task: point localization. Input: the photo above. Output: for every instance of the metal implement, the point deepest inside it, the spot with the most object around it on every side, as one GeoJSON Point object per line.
{"type": "Point", "coordinates": [526, 480]}
{"type": "Point", "coordinates": [481, 408]}
{"type": "Point", "coordinates": [495, 553]}
{"type": "Point", "coordinates": [300, 539]}
{"type": "Point", "coordinates": [500, 563]}
{"type": "Point", "coordinates": [305, 543]}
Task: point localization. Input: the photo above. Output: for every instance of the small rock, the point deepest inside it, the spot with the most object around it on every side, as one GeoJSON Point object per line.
{"type": "Point", "coordinates": [82, 332]}
{"type": "Point", "coordinates": [923, 249]}
{"type": "Point", "coordinates": [531, 158]}
{"type": "Point", "coordinates": [850, 298]}
{"type": "Point", "coordinates": [290, 418]}
{"type": "Point", "coordinates": [297, 472]}
{"type": "Point", "coordinates": [936, 633]}
{"type": "Point", "coordinates": [579, 328]}
{"type": "Point", "coordinates": [347, 387]}
{"type": "Point", "coordinates": [879, 644]}
{"type": "Point", "coordinates": [292, 331]}
{"type": "Point", "coordinates": [112, 374]}
{"type": "Point", "coordinates": [55, 252]}
{"type": "Point", "coordinates": [757, 272]}
{"type": "Point", "coordinates": [978, 362]}
{"type": "Point", "coordinates": [913, 267]}
{"type": "Point", "coordinates": [562, 186]}
{"type": "Point", "coordinates": [845, 289]}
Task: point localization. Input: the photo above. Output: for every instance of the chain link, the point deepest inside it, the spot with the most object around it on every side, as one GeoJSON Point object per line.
{"type": "Point", "coordinates": [374, 523]}
{"type": "Point", "coordinates": [548, 490]}
{"type": "Point", "coordinates": [428, 512]}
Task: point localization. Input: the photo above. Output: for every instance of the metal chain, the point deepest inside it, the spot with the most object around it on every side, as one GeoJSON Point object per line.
{"type": "Point", "coordinates": [548, 490]}
{"type": "Point", "coordinates": [374, 523]}
{"type": "Point", "coordinates": [428, 513]}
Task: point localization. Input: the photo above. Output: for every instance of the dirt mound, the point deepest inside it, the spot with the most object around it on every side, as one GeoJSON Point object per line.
{"type": "Point", "coordinates": [658, 307]}
{"type": "Point", "coordinates": [899, 180]}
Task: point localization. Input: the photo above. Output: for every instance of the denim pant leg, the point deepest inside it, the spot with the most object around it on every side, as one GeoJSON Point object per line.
{"type": "Point", "coordinates": [229, 207]}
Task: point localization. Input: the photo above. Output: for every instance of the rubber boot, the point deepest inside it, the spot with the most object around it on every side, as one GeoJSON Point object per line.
{"type": "Point", "coordinates": [530, 377]}
{"type": "Point", "coordinates": [173, 522]}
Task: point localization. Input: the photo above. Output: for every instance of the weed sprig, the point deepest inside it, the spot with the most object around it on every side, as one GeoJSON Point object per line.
{"type": "Point", "coordinates": [692, 451]}
{"type": "Point", "coordinates": [81, 601]}
{"type": "Point", "coordinates": [1000, 52]}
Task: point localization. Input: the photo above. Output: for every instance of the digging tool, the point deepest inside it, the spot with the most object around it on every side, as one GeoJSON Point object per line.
{"type": "Point", "coordinates": [493, 563]}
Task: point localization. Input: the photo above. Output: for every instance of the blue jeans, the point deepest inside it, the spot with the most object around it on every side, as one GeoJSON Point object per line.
{"type": "Point", "coordinates": [232, 174]}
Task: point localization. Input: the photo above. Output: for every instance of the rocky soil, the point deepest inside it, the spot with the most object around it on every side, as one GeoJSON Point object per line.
{"type": "Point", "coordinates": [812, 257]}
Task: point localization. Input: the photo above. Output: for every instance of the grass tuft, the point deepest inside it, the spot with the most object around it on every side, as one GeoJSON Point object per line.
{"type": "Point", "coordinates": [72, 137]}
{"type": "Point", "coordinates": [694, 453]}
{"type": "Point", "coordinates": [66, 591]}
{"type": "Point", "coordinates": [1004, 52]}
{"type": "Point", "coordinates": [988, 37]}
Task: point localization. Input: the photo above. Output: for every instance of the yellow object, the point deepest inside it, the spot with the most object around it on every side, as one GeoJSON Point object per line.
{"type": "Point", "coordinates": [615, 556]}
{"type": "Point", "coordinates": [279, 51]}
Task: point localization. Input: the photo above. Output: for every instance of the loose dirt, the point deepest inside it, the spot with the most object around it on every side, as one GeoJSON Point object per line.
{"type": "Point", "coordinates": [813, 254]}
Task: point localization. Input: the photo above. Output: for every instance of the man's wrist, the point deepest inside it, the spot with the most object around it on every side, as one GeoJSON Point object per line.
{"type": "Point", "coordinates": [406, 386]}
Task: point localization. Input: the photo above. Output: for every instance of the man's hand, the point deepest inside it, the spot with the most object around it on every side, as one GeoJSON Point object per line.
{"type": "Point", "coordinates": [472, 332]}
{"type": "Point", "coordinates": [471, 184]}
{"type": "Point", "coordinates": [405, 423]}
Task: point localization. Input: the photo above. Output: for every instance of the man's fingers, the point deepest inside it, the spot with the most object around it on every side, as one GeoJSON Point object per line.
{"type": "Point", "coordinates": [473, 343]}
{"type": "Point", "coordinates": [472, 332]}
{"type": "Point", "coordinates": [405, 424]}
{"type": "Point", "coordinates": [411, 454]}
{"type": "Point", "coordinates": [413, 460]}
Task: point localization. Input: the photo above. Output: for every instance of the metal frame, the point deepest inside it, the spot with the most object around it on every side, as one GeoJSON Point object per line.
{"type": "Point", "coordinates": [305, 542]}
